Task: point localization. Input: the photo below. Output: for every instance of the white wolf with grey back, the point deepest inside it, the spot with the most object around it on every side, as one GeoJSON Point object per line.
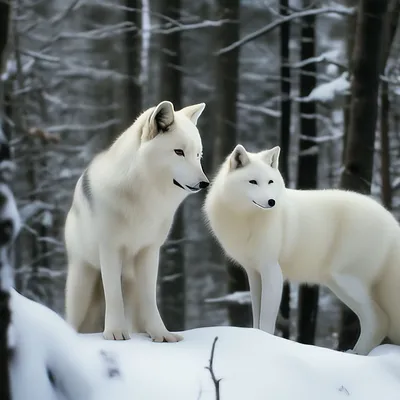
{"type": "Point", "coordinates": [121, 214]}
{"type": "Point", "coordinates": [344, 240]}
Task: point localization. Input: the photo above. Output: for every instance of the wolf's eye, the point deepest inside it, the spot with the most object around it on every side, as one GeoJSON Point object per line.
{"type": "Point", "coordinates": [253, 182]}
{"type": "Point", "coordinates": [179, 152]}
{"type": "Point", "coordinates": [271, 181]}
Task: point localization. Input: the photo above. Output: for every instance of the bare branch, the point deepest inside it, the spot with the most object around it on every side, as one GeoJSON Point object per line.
{"type": "Point", "coordinates": [318, 59]}
{"type": "Point", "coordinates": [87, 128]}
{"type": "Point", "coordinates": [189, 27]}
{"type": "Point", "coordinates": [270, 27]}
{"type": "Point", "coordinates": [56, 19]}
{"type": "Point", "coordinates": [260, 109]}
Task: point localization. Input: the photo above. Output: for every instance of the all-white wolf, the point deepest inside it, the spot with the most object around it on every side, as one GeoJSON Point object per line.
{"type": "Point", "coordinates": [122, 211]}
{"type": "Point", "coordinates": [340, 239]}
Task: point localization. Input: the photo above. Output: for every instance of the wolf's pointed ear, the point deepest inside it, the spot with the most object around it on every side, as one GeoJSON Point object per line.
{"type": "Point", "coordinates": [271, 157]}
{"type": "Point", "coordinates": [238, 158]}
{"type": "Point", "coordinates": [193, 112]}
{"type": "Point", "coordinates": [162, 117]}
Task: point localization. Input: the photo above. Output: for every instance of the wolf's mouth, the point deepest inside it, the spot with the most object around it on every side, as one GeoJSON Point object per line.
{"type": "Point", "coordinates": [178, 184]}
{"type": "Point", "coordinates": [259, 205]}
{"type": "Point", "coordinates": [191, 188]}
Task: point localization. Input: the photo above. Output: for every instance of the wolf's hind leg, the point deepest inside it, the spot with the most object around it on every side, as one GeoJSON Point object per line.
{"type": "Point", "coordinates": [373, 320]}
{"type": "Point", "coordinates": [79, 291]}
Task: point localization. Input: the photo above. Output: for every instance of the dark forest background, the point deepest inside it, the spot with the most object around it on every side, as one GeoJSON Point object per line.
{"type": "Point", "coordinates": [320, 78]}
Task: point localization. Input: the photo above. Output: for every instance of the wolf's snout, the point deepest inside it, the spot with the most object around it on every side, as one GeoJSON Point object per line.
{"type": "Point", "coordinates": [271, 202]}
{"type": "Point", "coordinates": [203, 184]}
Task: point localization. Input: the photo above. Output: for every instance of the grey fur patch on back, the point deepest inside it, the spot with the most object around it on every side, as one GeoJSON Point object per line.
{"type": "Point", "coordinates": [87, 191]}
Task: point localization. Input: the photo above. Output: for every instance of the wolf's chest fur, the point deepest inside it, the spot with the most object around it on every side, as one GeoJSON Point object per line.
{"type": "Point", "coordinates": [135, 227]}
{"type": "Point", "coordinates": [248, 241]}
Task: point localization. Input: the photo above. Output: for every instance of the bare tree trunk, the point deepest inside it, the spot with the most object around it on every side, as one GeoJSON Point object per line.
{"type": "Point", "coordinates": [133, 45]}
{"type": "Point", "coordinates": [307, 177]}
{"type": "Point", "coordinates": [226, 90]}
{"type": "Point", "coordinates": [390, 28]}
{"type": "Point", "coordinates": [285, 136]}
{"type": "Point", "coordinates": [359, 155]}
{"type": "Point", "coordinates": [5, 312]}
{"type": "Point", "coordinates": [391, 23]}
{"type": "Point", "coordinates": [351, 24]}
{"type": "Point", "coordinates": [172, 268]}
{"type": "Point", "coordinates": [386, 190]}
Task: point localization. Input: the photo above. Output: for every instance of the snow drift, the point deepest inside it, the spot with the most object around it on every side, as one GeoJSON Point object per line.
{"type": "Point", "coordinates": [50, 361]}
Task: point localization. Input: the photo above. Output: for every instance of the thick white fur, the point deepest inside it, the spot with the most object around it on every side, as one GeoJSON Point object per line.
{"type": "Point", "coordinates": [117, 235]}
{"type": "Point", "coordinates": [344, 240]}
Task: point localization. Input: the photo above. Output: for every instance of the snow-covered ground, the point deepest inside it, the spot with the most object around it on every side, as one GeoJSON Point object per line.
{"type": "Point", "coordinates": [50, 361]}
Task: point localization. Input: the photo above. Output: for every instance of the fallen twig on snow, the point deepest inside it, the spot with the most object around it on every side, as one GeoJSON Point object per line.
{"type": "Point", "coordinates": [210, 368]}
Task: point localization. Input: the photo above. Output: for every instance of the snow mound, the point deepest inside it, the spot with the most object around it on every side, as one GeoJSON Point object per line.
{"type": "Point", "coordinates": [50, 361]}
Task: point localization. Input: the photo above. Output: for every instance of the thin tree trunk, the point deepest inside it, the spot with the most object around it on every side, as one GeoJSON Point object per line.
{"type": "Point", "coordinates": [386, 190]}
{"type": "Point", "coordinates": [5, 312]}
{"type": "Point", "coordinates": [359, 155]}
{"type": "Point", "coordinates": [226, 131]}
{"type": "Point", "coordinates": [285, 136]}
{"type": "Point", "coordinates": [307, 177]}
{"type": "Point", "coordinates": [133, 46]}
{"type": "Point", "coordinates": [172, 268]}
{"type": "Point", "coordinates": [351, 24]}
{"type": "Point", "coordinates": [391, 23]}
{"type": "Point", "coordinates": [390, 28]}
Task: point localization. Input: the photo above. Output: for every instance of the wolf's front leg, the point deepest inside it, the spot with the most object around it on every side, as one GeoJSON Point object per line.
{"type": "Point", "coordinates": [271, 294]}
{"type": "Point", "coordinates": [255, 291]}
{"type": "Point", "coordinates": [115, 326]}
{"type": "Point", "coordinates": [146, 275]}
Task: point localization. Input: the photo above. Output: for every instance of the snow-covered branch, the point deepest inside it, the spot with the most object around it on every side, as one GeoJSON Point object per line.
{"type": "Point", "coordinates": [86, 128]}
{"type": "Point", "coordinates": [190, 27]}
{"type": "Point", "coordinates": [260, 109]}
{"type": "Point", "coordinates": [328, 57]}
{"type": "Point", "coordinates": [270, 27]}
{"type": "Point", "coordinates": [328, 91]}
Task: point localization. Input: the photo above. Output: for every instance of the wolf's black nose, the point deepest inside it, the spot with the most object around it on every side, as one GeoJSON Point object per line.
{"type": "Point", "coordinates": [271, 202]}
{"type": "Point", "coordinates": [203, 184]}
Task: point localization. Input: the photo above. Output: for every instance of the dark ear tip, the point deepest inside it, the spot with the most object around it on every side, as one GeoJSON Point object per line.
{"type": "Point", "coordinates": [164, 116]}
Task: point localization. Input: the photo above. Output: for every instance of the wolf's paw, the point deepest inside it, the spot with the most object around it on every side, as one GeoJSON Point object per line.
{"type": "Point", "coordinates": [165, 336]}
{"type": "Point", "coordinates": [116, 334]}
{"type": "Point", "coordinates": [351, 351]}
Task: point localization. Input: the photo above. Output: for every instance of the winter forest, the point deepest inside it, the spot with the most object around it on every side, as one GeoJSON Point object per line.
{"type": "Point", "coordinates": [319, 78]}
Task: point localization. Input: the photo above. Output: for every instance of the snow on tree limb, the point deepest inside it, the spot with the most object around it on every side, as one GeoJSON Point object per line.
{"type": "Point", "coordinates": [243, 298]}
{"type": "Point", "coordinates": [260, 109]}
{"type": "Point", "coordinates": [328, 91]}
{"type": "Point", "coordinates": [270, 27]}
{"type": "Point", "coordinates": [328, 56]}
{"type": "Point", "coordinates": [236, 297]}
